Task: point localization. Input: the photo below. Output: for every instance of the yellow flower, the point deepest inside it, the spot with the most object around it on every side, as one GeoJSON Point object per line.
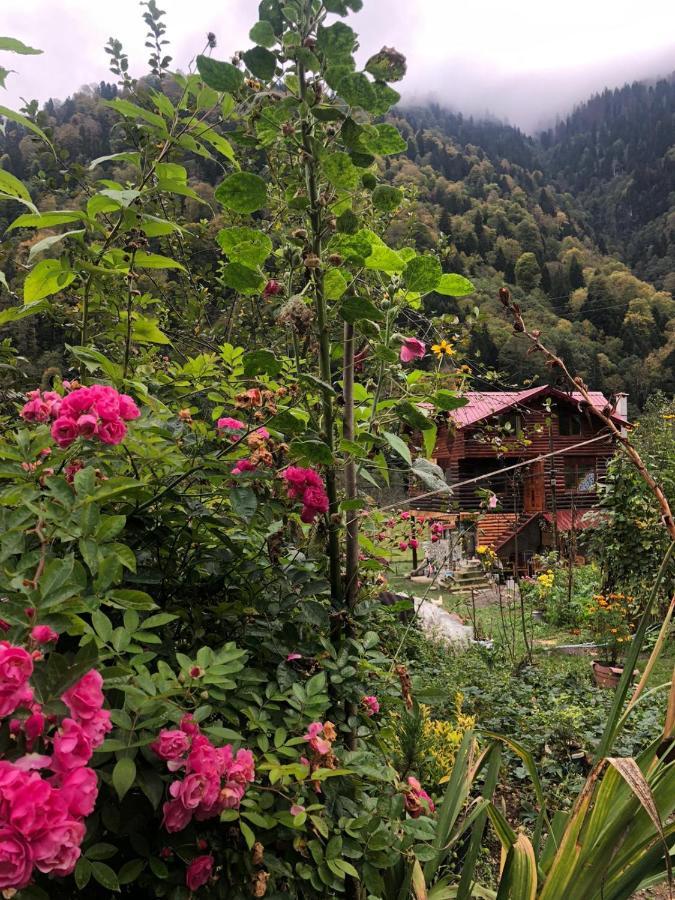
{"type": "Point", "coordinates": [668, 417]}
{"type": "Point", "coordinates": [444, 348]}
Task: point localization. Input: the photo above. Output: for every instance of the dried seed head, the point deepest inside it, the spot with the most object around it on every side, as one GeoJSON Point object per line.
{"type": "Point", "coordinates": [296, 314]}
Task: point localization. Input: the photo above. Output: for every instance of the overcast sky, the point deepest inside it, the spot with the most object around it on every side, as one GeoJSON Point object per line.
{"type": "Point", "coordinates": [524, 61]}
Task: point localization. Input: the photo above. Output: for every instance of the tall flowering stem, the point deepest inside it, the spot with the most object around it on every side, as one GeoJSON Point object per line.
{"type": "Point", "coordinates": [317, 276]}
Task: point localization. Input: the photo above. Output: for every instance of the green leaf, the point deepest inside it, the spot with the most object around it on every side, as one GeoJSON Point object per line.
{"type": "Point", "coordinates": [387, 65]}
{"type": "Point", "coordinates": [382, 258]}
{"type": "Point", "coordinates": [47, 219]}
{"type": "Point", "coordinates": [261, 63]}
{"type": "Point", "coordinates": [143, 260]}
{"type": "Point", "coordinates": [242, 192]}
{"type": "Point", "coordinates": [353, 309]}
{"type": "Point", "coordinates": [15, 46]}
{"type": "Point", "coordinates": [221, 76]}
{"type": "Point", "coordinates": [22, 120]}
{"type": "Point", "coordinates": [398, 445]}
{"type": "Point", "coordinates": [10, 186]}
{"type": "Point", "coordinates": [387, 198]}
{"type": "Point", "coordinates": [263, 34]}
{"type": "Point", "coordinates": [128, 599]}
{"type": "Point", "coordinates": [241, 278]}
{"type": "Point", "coordinates": [130, 871]}
{"type": "Point", "coordinates": [334, 284]}
{"type": "Point", "coordinates": [245, 245]}
{"type": "Point", "coordinates": [217, 141]}
{"type": "Point", "coordinates": [429, 438]}
{"type": "Point", "coordinates": [48, 277]}
{"type": "Point", "coordinates": [248, 834]}
{"type": "Point", "coordinates": [337, 42]}
{"type": "Point", "coordinates": [123, 776]}
{"type": "Point", "coordinates": [131, 111]}
{"type": "Point", "coordinates": [312, 451]}
{"type": "Point", "coordinates": [385, 98]}
{"type": "Point", "coordinates": [244, 502]}
{"type": "Point", "coordinates": [357, 90]}
{"type": "Point", "coordinates": [14, 313]}
{"type": "Point", "coordinates": [82, 873]}
{"type": "Point", "coordinates": [51, 241]}
{"type": "Point", "coordinates": [446, 400]}
{"type": "Point", "coordinates": [340, 170]}
{"type": "Point", "coordinates": [422, 274]}
{"type": "Point", "coordinates": [146, 331]}
{"type": "Point", "coordinates": [383, 140]}
{"type": "Point", "coordinates": [261, 362]}
{"type": "Point", "coordinates": [105, 876]}
{"type": "Point", "coordinates": [454, 286]}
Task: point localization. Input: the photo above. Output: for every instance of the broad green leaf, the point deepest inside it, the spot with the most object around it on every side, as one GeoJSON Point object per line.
{"type": "Point", "coordinates": [356, 89]}
{"type": "Point", "coordinates": [47, 278]}
{"type": "Point", "coordinates": [261, 362]}
{"type": "Point", "coordinates": [15, 46]}
{"type": "Point", "coordinates": [14, 313]}
{"type": "Point", "coordinates": [422, 274]}
{"type": "Point", "coordinates": [385, 98]}
{"type": "Point", "coordinates": [147, 331]}
{"type": "Point", "coordinates": [261, 63]}
{"type": "Point", "coordinates": [245, 245]}
{"type": "Point", "coordinates": [50, 241]}
{"type": "Point", "coordinates": [383, 140]}
{"type": "Point", "coordinates": [429, 438]}
{"type": "Point", "coordinates": [124, 156]}
{"type": "Point", "coordinates": [447, 400]}
{"type": "Point", "coordinates": [129, 599]}
{"type": "Point", "coordinates": [519, 878]}
{"type": "Point", "coordinates": [123, 198]}
{"type": "Point", "coordinates": [353, 309]}
{"type": "Point", "coordinates": [312, 451]}
{"type": "Point", "coordinates": [387, 65]}
{"type": "Point", "coordinates": [398, 445]}
{"type": "Point", "coordinates": [123, 776]}
{"type": "Point", "coordinates": [454, 286]}
{"type": "Point", "coordinates": [10, 186]}
{"type": "Point", "coordinates": [242, 192]}
{"type": "Point", "coordinates": [241, 278]}
{"type": "Point", "coordinates": [355, 248]}
{"type": "Point", "coordinates": [387, 198]}
{"type": "Point", "coordinates": [334, 284]}
{"type": "Point", "coordinates": [217, 141]}
{"type": "Point", "coordinates": [263, 34]}
{"type": "Point", "coordinates": [47, 219]}
{"type": "Point", "coordinates": [105, 876]}
{"type": "Point", "coordinates": [381, 257]}
{"type": "Point", "coordinates": [221, 76]}
{"type": "Point", "coordinates": [337, 42]}
{"type": "Point", "coordinates": [340, 170]}
{"type": "Point", "coordinates": [243, 501]}
{"type": "Point", "coordinates": [143, 260]}
{"type": "Point", "coordinates": [131, 111]}
{"type": "Point", "coordinates": [22, 120]}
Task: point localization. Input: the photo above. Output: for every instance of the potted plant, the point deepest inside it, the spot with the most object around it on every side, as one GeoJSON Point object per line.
{"type": "Point", "coordinates": [610, 616]}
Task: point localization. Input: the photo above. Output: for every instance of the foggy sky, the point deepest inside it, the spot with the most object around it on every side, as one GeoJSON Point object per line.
{"type": "Point", "coordinates": [523, 61]}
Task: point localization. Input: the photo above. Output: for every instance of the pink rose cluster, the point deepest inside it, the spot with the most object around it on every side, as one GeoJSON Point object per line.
{"type": "Point", "coordinates": [306, 485]}
{"type": "Point", "coordinates": [416, 799]}
{"type": "Point", "coordinates": [215, 778]}
{"type": "Point", "coordinates": [92, 412]}
{"type": "Point", "coordinates": [371, 705]}
{"type": "Point", "coordinates": [42, 817]}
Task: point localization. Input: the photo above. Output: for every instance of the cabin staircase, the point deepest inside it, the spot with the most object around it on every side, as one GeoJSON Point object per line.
{"type": "Point", "coordinates": [496, 529]}
{"type": "Point", "coordinates": [467, 577]}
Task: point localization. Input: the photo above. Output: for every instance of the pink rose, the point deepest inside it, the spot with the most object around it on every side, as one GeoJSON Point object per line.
{"type": "Point", "coordinates": [176, 816]}
{"type": "Point", "coordinates": [371, 705]}
{"type": "Point", "coordinates": [78, 791]}
{"type": "Point", "coordinates": [35, 410]}
{"type": "Point", "coordinates": [57, 850]}
{"type": "Point", "coordinates": [85, 698]}
{"type": "Point", "coordinates": [29, 803]}
{"type": "Point", "coordinates": [171, 744]}
{"type": "Point", "coordinates": [112, 432]}
{"type": "Point", "coordinates": [229, 424]}
{"type": "Point", "coordinates": [198, 872]}
{"type": "Point", "coordinates": [416, 799]}
{"type": "Point", "coordinates": [97, 727]}
{"type": "Point", "coordinates": [16, 859]}
{"type": "Point", "coordinates": [318, 744]}
{"type": "Point", "coordinates": [204, 758]}
{"type": "Point", "coordinates": [262, 433]}
{"type": "Point", "coordinates": [293, 656]}
{"type": "Point", "coordinates": [77, 402]}
{"type": "Point", "coordinates": [244, 465]}
{"type": "Point", "coordinates": [64, 431]}
{"type": "Point", "coordinates": [402, 545]}
{"type": "Point", "coordinates": [71, 749]}
{"type": "Point", "coordinates": [16, 666]}
{"type": "Point", "coordinates": [87, 426]}
{"type": "Point", "coordinates": [43, 634]}
{"type": "Point", "coordinates": [405, 515]}
{"type": "Point", "coordinates": [412, 349]}
{"type": "Point", "coordinates": [128, 408]}
{"type": "Point", "coordinates": [413, 543]}
{"type": "Point", "coordinates": [34, 727]}
{"type": "Point", "coordinates": [11, 700]}
{"type": "Point", "coordinates": [188, 725]}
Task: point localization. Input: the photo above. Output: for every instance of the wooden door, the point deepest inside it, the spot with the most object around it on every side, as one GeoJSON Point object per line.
{"type": "Point", "coordinates": [534, 488]}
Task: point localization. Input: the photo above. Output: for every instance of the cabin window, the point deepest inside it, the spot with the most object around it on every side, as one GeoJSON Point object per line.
{"type": "Point", "coordinates": [580, 475]}
{"type": "Point", "coordinates": [569, 423]}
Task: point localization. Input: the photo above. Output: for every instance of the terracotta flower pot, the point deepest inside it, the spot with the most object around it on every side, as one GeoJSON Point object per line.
{"type": "Point", "coordinates": [605, 675]}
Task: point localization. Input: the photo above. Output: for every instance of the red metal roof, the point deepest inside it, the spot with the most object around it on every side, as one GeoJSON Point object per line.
{"type": "Point", "coordinates": [483, 404]}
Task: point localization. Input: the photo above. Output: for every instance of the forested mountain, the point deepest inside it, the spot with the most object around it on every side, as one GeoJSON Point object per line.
{"type": "Point", "coordinates": [580, 222]}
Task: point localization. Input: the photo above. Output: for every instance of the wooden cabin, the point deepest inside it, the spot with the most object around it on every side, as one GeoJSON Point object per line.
{"type": "Point", "coordinates": [522, 506]}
